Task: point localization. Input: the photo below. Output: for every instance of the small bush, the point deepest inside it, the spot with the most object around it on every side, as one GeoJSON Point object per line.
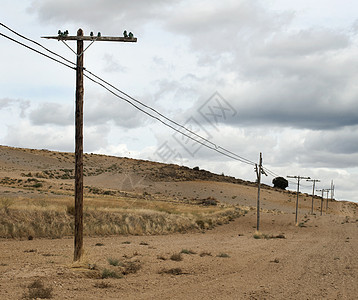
{"type": "Point", "coordinates": [113, 262]}
{"type": "Point", "coordinates": [131, 267]}
{"type": "Point", "coordinates": [224, 255]}
{"type": "Point", "coordinates": [205, 253]}
{"type": "Point", "coordinates": [110, 274]}
{"type": "Point", "coordinates": [176, 257]}
{"type": "Point", "coordinates": [37, 185]}
{"type": "Point", "coordinates": [186, 251]}
{"type": "Point", "coordinates": [173, 271]}
{"type": "Point", "coordinates": [36, 290]}
{"type": "Point", "coordinates": [70, 210]}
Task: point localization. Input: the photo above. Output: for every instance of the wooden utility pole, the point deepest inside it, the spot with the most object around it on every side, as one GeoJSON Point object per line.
{"type": "Point", "coordinates": [80, 38]}
{"type": "Point", "coordinates": [327, 191]}
{"type": "Point", "coordinates": [322, 190]}
{"type": "Point", "coordinates": [259, 170]}
{"type": "Point", "coordinates": [298, 191]}
{"type": "Point", "coordinates": [314, 184]}
{"type": "Point", "coordinates": [79, 151]}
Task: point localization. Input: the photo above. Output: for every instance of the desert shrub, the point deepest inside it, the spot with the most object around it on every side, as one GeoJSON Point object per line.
{"type": "Point", "coordinates": [186, 251]}
{"type": "Point", "coordinates": [71, 210]}
{"type": "Point", "coordinates": [37, 290]}
{"type": "Point", "coordinates": [113, 261]}
{"type": "Point", "coordinates": [176, 257]}
{"type": "Point", "coordinates": [173, 271]}
{"type": "Point", "coordinates": [110, 274]}
{"type": "Point", "coordinates": [131, 267]}
{"type": "Point", "coordinates": [205, 253]}
{"type": "Point", "coordinates": [224, 255]}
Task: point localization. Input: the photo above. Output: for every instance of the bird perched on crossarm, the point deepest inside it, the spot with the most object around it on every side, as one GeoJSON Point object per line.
{"type": "Point", "coordinates": [125, 34]}
{"type": "Point", "coordinates": [130, 35]}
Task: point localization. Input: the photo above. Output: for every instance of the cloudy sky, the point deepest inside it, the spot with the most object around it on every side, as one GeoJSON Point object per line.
{"type": "Point", "coordinates": [274, 76]}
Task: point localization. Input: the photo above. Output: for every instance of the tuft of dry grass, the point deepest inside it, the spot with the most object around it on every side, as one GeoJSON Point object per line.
{"type": "Point", "coordinates": [131, 267]}
{"type": "Point", "coordinates": [173, 271]}
{"type": "Point", "coordinates": [223, 255]}
{"type": "Point", "coordinates": [106, 273]}
{"type": "Point", "coordinates": [205, 253]}
{"type": "Point", "coordinates": [176, 257]}
{"type": "Point", "coordinates": [37, 290]}
{"type": "Point", "coordinates": [186, 251]}
{"type": "Point", "coordinates": [113, 261]}
{"type": "Point", "coordinates": [102, 285]}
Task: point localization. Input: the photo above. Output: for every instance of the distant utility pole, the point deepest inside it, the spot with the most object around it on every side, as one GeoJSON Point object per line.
{"type": "Point", "coordinates": [314, 184]}
{"type": "Point", "coordinates": [259, 170]}
{"type": "Point", "coordinates": [324, 191]}
{"type": "Point", "coordinates": [298, 191]}
{"type": "Point", "coordinates": [80, 38]}
{"type": "Point", "coordinates": [332, 190]}
{"type": "Point", "coordinates": [321, 190]}
{"type": "Point", "coordinates": [327, 191]}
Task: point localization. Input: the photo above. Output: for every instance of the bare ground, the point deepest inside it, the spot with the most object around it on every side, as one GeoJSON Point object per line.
{"type": "Point", "coordinates": [316, 260]}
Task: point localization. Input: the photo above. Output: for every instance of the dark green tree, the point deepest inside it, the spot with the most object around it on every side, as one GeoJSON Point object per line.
{"type": "Point", "coordinates": [280, 182]}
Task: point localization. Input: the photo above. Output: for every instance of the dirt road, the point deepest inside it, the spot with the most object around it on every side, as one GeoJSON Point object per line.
{"type": "Point", "coordinates": [316, 261]}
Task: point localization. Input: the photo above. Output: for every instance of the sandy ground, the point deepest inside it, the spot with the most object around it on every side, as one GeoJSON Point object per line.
{"type": "Point", "coordinates": [317, 261]}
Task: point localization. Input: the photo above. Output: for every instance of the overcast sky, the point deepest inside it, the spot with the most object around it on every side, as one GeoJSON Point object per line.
{"type": "Point", "coordinates": [274, 76]}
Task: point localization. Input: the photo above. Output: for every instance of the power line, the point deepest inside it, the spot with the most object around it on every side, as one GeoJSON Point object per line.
{"type": "Point", "coordinates": [37, 51]}
{"type": "Point", "coordinates": [38, 44]}
{"type": "Point", "coordinates": [215, 147]}
{"type": "Point", "coordinates": [168, 125]}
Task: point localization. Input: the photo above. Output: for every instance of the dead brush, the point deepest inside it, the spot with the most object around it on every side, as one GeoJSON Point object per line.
{"type": "Point", "coordinates": [37, 290]}
{"type": "Point", "coordinates": [173, 271]}
{"type": "Point", "coordinates": [176, 257]}
{"type": "Point", "coordinates": [131, 267]}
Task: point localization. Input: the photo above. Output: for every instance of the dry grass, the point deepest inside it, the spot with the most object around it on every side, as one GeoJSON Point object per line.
{"type": "Point", "coordinates": [37, 290]}
{"type": "Point", "coordinates": [54, 219]}
{"type": "Point", "coordinates": [173, 271]}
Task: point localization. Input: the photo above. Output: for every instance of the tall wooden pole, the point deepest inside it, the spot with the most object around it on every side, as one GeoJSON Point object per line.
{"type": "Point", "coordinates": [258, 172]}
{"type": "Point", "coordinates": [79, 152]}
{"type": "Point", "coordinates": [79, 124]}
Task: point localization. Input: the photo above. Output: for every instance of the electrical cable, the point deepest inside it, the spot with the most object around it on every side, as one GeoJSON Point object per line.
{"type": "Point", "coordinates": [240, 158]}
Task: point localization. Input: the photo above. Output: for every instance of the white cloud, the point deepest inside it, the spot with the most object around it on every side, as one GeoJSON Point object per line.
{"type": "Point", "coordinates": [286, 67]}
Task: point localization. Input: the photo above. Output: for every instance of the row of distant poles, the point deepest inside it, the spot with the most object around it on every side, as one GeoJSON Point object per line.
{"type": "Point", "coordinates": [80, 38]}
{"type": "Point", "coordinates": [260, 170]}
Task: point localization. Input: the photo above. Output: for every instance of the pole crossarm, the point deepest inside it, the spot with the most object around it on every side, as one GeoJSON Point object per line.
{"type": "Point", "coordinates": [93, 38]}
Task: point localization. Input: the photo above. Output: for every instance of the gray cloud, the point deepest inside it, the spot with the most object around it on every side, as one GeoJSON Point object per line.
{"type": "Point", "coordinates": [52, 113]}
{"type": "Point", "coordinates": [22, 105]}
{"type": "Point", "coordinates": [104, 109]}
{"type": "Point", "coordinates": [5, 102]}
{"type": "Point", "coordinates": [110, 16]}
{"type": "Point", "coordinates": [112, 65]}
